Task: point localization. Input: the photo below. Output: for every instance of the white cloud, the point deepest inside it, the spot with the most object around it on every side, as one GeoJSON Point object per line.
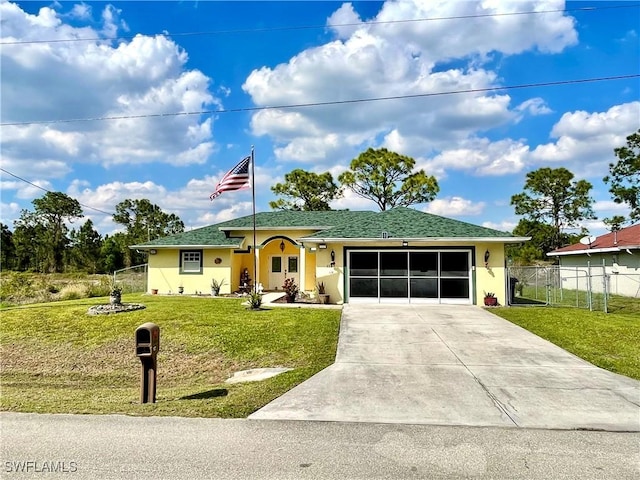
{"type": "Point", "coordinates": [610, 206]}
{"type": "Point", "coordinates": [534, 106]}
{"type": "Point", "coordinates": [504, 226]}
{"type": "Point", "coordinates": [481, 157]}
{"type": "Point", "coordinates": [454, 207]}
{"type": "Point", "coordinates": [94, 79]}
{"type": "Point", "coordinates": [346, 16]}
{"type": "Point", "coordinates": [25, 191]}
{"type": "Point", "coordinates": [394, 59]}
{"type": "Point", "coordinates": [351, 201]}
{"type": "Point", "coordinates": [189, 201]}
{"type": "Point", "coordinates": [105, 197]}
{"type": "Point", "coordinates": [238, 209]}
{"type": "Point", "coordinates": [549, 32]}
{"type": "Point", "coordinates": [585, 141]}
{"type": "Point", "coordinates": [8, 213]}
{"type": "Point", "coordinates": [81, 11]}
{"type": "Point", "coordinates": [630, 36]}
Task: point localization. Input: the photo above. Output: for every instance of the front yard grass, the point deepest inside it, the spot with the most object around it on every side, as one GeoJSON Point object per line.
{"type": "Point", "coordinates": [55, 358]}
{"type": "Point", "coordinates": [610, 341]}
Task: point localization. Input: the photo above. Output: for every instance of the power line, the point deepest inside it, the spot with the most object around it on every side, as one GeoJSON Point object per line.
{"type": "Point", "coordinates": [328, 103]}
{"type": "Point", "coordinates": [311, 27]}
{"type": "Point", "coordinates": [49, 191]}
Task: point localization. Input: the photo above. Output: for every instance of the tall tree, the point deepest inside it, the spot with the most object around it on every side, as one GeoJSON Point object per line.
{"type": "Point", "coordinates": [42, 234]}
{"type": "Point", "coordinates": [53, 210]}
{"type": "Point", "coordinates": [305, 191]}
{"type": "Point", "coordinates": [624, 175]}
{"type": "Point", "coordinates": [551, 196]}
{"type": "Point", "coordinates": [386, 178]}
{"type": "Point", "coordinates": [30, 242]}
{"type": "Point", "coordinates": [7, 248]}
{"type": "Point", "coordinates": [112, 252]}
{"type": "Point", "coordinates": [86, 244]}
{"type": "Point", "coordinates": [144, 221]}
{"type": "Point", "coordinates": [542, 235]}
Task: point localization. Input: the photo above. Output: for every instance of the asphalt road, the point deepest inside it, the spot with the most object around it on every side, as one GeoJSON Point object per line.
{"type": "Point", "coordinates": [122, 447]}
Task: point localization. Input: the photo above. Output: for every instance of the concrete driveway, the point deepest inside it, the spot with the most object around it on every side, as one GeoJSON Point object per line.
{"type": "Point", "coordinates": [456, 365]}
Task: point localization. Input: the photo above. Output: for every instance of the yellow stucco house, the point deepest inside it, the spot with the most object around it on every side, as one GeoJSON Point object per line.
{"type": "Point", "coordinates": [395, 256]}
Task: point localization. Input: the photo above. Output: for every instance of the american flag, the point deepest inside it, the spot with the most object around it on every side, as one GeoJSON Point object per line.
{"type": "Point", "coordinates": [235, 179]}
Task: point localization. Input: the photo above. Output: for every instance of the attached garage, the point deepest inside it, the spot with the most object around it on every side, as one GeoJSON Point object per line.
{"type": "Point", "coordinates": [409, 276]}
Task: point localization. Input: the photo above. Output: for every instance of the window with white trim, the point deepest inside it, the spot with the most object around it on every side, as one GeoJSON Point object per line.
{"type": "Point", "coordinates": [191, 261]}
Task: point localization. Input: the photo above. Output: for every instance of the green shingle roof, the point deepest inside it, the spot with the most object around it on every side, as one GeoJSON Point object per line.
{"type": "Point", "coordinates": [210, 236]}
{"type": "Point", "coordinates": [400, 222]}
{"type": "Point", "coordinates": [403, 222]}
{"type": "Point", "coordinates": [296, 219]}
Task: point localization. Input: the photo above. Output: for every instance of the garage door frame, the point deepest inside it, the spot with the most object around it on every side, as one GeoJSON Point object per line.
{"type": "Point", "coordinates": [389, 276]}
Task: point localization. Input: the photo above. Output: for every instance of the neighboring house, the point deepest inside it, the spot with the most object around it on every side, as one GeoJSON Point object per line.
{"type": "Point", "coordinates": [613, 258]}
{"type": "Point", "coordinates": [399, 255]}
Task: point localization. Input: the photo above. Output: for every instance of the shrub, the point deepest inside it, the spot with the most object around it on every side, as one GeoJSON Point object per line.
{"type": "Point", "coordinates": [16, 287]}
{"type": "Point", "coordinates": [73, 291]}
{"type": "Point", "coordinates": [100, 288]}
{"type": "Point", "coordinates": [255, 300]}
{"type": "Point", "coordinates": [290, 288]}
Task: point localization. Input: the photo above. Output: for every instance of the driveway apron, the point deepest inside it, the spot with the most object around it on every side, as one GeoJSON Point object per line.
{"type": "Point", "coordinates": [456, 365]}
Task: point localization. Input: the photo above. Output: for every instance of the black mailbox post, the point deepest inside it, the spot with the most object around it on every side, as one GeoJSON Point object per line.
{"type": "Point", "coordinates": [147, 346]}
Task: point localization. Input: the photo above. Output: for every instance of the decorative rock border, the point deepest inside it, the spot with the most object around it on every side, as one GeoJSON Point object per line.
{"type": "Point", "coordinates": [117, 308]}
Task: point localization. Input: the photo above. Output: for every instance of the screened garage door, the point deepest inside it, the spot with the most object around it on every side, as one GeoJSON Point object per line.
{"type": "Point", "coordinates": [416, 276]}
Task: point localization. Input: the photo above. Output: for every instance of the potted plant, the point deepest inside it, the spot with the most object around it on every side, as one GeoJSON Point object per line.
{"type": "Point", "coordinates": [290, 289]}
{"type": "Point", "coordinates": [115, 293]}
{"type": "Point", "coordinates": [490, 299]}
{"type": "Point", "coordinates": [324, 297]}
{"type": "Point", "coordinates": [215, 287]}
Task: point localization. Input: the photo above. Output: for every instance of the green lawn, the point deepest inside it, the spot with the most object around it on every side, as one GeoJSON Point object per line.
{"type": "Point", "coordinates": [610, 341]}
{"type": "Point", "coordinates": [56, 358]}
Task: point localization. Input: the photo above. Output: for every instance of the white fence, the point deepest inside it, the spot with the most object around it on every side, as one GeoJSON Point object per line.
{"type": "Point", "coordinates": [587, 286]}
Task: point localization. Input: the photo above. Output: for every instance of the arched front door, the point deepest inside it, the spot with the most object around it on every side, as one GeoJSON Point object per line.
{"type": "Point", "coordinates": [283, 266]}
{"type": "Point", "coordinates": [282, 261]}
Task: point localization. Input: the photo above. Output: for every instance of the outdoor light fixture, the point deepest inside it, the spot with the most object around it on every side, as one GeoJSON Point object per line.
{"type": "Point", "coordinates": [153, 251]}
{"type": "Point", "coordinates": [333, 256]}
{"type": "Point", "coordinates": [282, 246]}
{"type": "Point", "coordinates": [322, 246]}
{"type": "Point", "coordinates": [487, 254]}
{"type": "Point", "coordinates": [405, 243]}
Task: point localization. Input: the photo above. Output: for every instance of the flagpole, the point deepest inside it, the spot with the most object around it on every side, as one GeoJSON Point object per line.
{"type": "Point", "coordinates": [253, 197]}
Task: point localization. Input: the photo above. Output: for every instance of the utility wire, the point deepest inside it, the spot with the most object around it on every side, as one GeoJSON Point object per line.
{"type": "Point", "coordinates": [310, 27]}
{"type": "Point", "coordinates": [336, 102]}
{"type": "Point", "coordinates": [49, 191]}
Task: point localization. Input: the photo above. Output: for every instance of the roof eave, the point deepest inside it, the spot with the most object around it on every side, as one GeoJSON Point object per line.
{"type": "Point", "coordinates": [416, 239]}
{"type": "Point", "coordinates": [619, 248]}
{"type": "Point", "coordinates": [250, 229]}
{"type": "Point", "coordinates": [173, 247]}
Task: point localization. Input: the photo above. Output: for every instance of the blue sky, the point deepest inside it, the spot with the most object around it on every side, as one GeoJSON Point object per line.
{"type": "Point", "coordinates": [236, 57]}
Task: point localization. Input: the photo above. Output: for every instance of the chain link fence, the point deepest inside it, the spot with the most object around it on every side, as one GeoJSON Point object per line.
{"type": "Point", "coordinates": [589, 287]}
{"type": "Point", "coordinates": [132, 279]}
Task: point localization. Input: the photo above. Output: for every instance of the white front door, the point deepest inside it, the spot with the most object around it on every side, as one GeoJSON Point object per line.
{"type": "Point", "coordinates": [281, 267]}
